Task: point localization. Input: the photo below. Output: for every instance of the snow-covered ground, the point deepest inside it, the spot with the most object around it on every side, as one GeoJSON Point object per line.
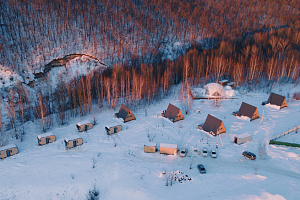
{"type": "Point", "coordinates": [123, 171]}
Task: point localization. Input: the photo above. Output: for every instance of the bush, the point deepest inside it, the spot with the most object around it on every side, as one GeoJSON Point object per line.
{"type": "Point", "coordinates": [296, 96]}
{"type": "Point", "coordinates": [93, 194]}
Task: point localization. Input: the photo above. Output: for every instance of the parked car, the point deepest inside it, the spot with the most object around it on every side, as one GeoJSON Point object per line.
{"type": "Point", "coordinates": [213, 154]}
{"type": "Point", "coordinates": [182, 153]}
{"type": "Point", "coordinates": [204, 152]}
{"type": "Point", "coordinates": [201, 169]}
{"type": "Point", "coordinates": [249, 155]}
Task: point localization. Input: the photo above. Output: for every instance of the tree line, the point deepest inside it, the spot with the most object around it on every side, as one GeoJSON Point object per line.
{"type": "Point", "coordinates": [116, 31]}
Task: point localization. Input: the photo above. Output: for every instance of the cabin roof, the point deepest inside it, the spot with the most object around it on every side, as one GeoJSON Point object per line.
{"type": "Point", "coordinates": [246, 110]}
{"type": "Point", "coordinates": [45, 135]}
{"type": "Point", "coordinates": [171, 111]}
{"type": "Point", "coordinates": [84, 122]}
{"type": "Point", "coordinates": [9, 146]}
{"type": "Point", "coordinates": [212, 124]}
{"type": "Point", "coordinates": [73, 137]}
{"type": "Point", "coordinates": [150, 144]}
{"type": "Point", "coordinates": [276, 99]}
{"type": "Point", "coordinates": [243, 135]}
{"type": "Point", "coordinates": [123, 112]}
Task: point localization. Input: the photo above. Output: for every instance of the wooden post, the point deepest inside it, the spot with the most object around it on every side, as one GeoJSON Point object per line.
{"type": "Point", "coordinates": [262, 116]}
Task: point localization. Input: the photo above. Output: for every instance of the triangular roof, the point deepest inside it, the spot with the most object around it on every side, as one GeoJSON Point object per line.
{"type": "Point", "coordinates": [171, 112]}
{"type": "Point", "coordinates": [246, 110]}
{"type": "Point", "coordinates": [212, 124]}
{"type": "Point", "coordinates": [123, 112]}
{"type": "Point", "coordinates": [276, 99]}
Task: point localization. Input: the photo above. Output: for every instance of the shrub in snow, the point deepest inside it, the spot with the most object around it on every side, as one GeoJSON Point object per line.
{"type": "Point", "coordinates": [93, 194]}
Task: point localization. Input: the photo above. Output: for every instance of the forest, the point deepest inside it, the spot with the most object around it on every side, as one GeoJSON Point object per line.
{"type": "Point", "coordinates": [247, 42]}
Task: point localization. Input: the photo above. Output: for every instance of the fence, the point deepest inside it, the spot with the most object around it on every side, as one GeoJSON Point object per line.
{"type": "Point", "coordinates": [273, 141]}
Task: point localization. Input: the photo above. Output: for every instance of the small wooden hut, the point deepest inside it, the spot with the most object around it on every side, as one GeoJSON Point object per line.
{"type": "Point", "coordinates": [73, 141]}
{"type": "Point", "coordinates": [8, 150]}
{"type": "Point", "coordinates": [150, 147]}
{"type": "Point", "coordinates": [170, 149]}
{"type": "Point", "coordinates": [84, 126]}
{"type": "Point", "coordinates": [113, 129]}
{"type": "Point", "coordinates": [46, 138]}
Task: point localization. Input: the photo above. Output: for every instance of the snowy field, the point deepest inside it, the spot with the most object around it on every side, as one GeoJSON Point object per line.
{"type": "Point", "coordinates": [123, 171]}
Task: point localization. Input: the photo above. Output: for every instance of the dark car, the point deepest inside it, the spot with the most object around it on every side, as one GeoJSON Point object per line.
{"type": "Point", "coordinates": [201, 169]}
{"type": "Point", "coordinates": [249, 155]}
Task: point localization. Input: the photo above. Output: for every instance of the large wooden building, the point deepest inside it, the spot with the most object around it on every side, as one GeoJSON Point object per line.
{"type": "Point", "coordinates": [213, 125]}
{"type": "Point", "coordinates": [125, 114]}
{"type": "Point", "coordinates": [173, 113]}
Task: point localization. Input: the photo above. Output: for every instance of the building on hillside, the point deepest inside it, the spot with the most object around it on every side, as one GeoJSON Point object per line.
{"type": "Point", "coordinates": [8, 150]}
{"type": "Point", "coordinates": [170, 149]}
{"type": "Point", "coordinates": [213, 125]}
{"type": "Point", "coordinates": [84, 125]}
{"type": "Point", "coordinates": [73, 141]}
{"type": "Point", "coordinates": [46, 138]}
{"type": "Point", "coordinates": [150, 147]}
{"type": "Point", "coordinates": [173, 113]}
{"type": "Point", "coordinates": [277, 100]}
{"type": "Point", "coordinates": [125, 113]}
{"type": "Point", "coordinates": [113, 129]}
{"type": "Point", "coordinates": [248, 111]}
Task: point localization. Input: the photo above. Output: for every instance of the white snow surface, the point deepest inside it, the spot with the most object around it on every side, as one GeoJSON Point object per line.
{"type": "Point", "coordinates": [211, 88]}
{"type": "Point", "coordinates": [243, 135]}
{"type": "Point", "coordinates": [45, 135]}
{"type": "Point", "coordinates": [124, 171]}
{"type": "Point", "coordinates": [8, 78]}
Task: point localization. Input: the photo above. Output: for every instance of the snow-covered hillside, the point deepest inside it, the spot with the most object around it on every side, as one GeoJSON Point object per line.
{"type": "Point", "coordinates": [123, 171]}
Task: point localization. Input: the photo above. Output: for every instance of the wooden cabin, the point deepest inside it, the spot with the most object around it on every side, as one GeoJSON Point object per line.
{"type": "Point", "coordinates": [8, 150]}
{"type": "Point", "coordinates": [46, 138]}
{"type": "Point", "coordinates": [84, 126]}
{"type": "Point", "coordinates": [173, 113]}
{"type": "Point", "coordinates": [248, 111]}
{"type": "Point", "coordinates": [277, 100]}
{"type": "Point", "coordinates": [170, 149]}
{"type": "Point", "coordinates": [213, 125]}
{"type": "Point", "coordinates": [73, 141]}
{"type": "Point", "coordinates": [113, 129]}
{"type": "Point", "coordinates": [150, 147]}
{"type": "Point", "coordinates": [125, 114]}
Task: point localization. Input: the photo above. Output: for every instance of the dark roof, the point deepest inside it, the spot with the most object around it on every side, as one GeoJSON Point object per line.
{"type": "Point", "coordinates": [276, 99]}
{"type": "Point", "coordinates": [171, 112]}
{"type": "Point", "coordinates": [246, 110]}
{"type": "Point", "coordinates": [123, 112]}
{"type": "Point", "coordinates": [212, 124]}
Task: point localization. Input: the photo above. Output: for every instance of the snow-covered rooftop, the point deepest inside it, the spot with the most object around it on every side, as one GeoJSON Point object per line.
{"type": "Point", "coordinates": [45, 135]}
{"type": "Point", "coordinates": [174, 146]}
{"type": "Point", "coordinates": [150, 144]}
{"type": "Point", "coordinates": [73, 137]}
{"type": "Point", "coordinates": [84, 122]}
{"type": "Point", "coordinates": [243, 135]}
{"type": "Point", "coordinates": [9, 146]}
